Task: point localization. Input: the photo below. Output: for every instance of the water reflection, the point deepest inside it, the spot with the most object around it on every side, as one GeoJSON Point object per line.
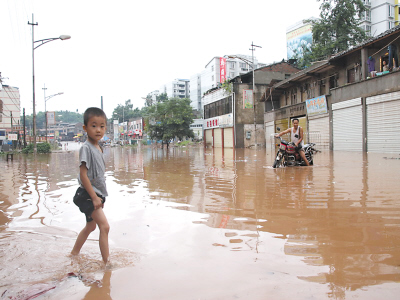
{"type": "Point", "coordinates": [335, 223]}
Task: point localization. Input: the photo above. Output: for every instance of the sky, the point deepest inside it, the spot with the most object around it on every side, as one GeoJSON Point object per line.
{"type": "Point", "coordinates": [122, 50]}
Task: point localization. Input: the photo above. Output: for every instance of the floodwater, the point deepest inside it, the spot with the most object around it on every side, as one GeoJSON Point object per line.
{"type": "Point", "coordinates": [194, 223]}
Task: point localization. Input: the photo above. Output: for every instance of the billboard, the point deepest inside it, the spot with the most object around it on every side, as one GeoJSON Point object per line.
{"type": "Point", "coordinates": [316, 106]}
{"type": "Point", "coordinates": [297, 40]}
{"type": "Point", "coordinates": [51, 118]}
{"type": "Point", "coordinates": [247, 98]}
{"type": "Point", "coordinates": [222, 69]}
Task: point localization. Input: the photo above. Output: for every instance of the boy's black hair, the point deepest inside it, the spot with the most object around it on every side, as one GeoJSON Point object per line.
{"type": "Point", "coordinates": [93, 112]}
{"type": "Point", "coordinates": [295, 119]}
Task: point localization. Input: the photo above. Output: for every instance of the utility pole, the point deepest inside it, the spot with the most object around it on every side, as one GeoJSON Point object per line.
{"type": "Point", "coordinates": [45, 111]}
{"type": "Point", "coordinates": [24, 129]}
{"type": "Point", "coordinates": [33, 85]}
{"type": "Point", "coordinates": [254, 98]}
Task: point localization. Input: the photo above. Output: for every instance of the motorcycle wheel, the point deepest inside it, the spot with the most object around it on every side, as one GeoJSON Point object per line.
{"type": "Point", "coordinates": [277, 163]}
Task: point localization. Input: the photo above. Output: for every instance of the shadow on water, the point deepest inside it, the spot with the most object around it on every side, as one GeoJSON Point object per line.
{"type": "Point", "coordinates": [196, 215]}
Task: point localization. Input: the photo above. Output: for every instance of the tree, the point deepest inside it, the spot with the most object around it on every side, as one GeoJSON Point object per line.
{"type": "Point", "coordinates": [162, 98]}
{"type": "Point", "coordinates": [338, 27]}
{"type": "Point", "coordinates": [170, 119]}
{"type": "Point", "coordinates": [124, 112]}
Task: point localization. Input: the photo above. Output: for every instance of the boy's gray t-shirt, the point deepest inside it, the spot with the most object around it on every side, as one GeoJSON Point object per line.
{"type": "Point", "coordinates": [96, 166]}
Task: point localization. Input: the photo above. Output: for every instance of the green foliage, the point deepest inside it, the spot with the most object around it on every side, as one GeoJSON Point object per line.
{"type": "Point", "coordinates": [170, 119]}
{"type": "Point", "coordinates": [227, 86]}
{"type": "Point", "coordinates": [63, 116]}
{"type": "Point", "coordinates": [125, 112]}
{"type": "Point", "coordinates": [338, 27]}
{"type": "Point", "coordinates": [303, 57]}
{"type": "Point", "coordinates": [41, 148]}
{"type": "Point", "coordinates": [162, 98]}
{"type": "Point", "coordinates": [28, 149]}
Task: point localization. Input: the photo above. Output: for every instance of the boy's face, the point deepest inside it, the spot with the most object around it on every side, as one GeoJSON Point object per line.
{"type": "Point", "coordinates": [95, 128]}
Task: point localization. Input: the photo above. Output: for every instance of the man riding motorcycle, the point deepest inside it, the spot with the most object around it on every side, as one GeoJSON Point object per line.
{"type": "Point", "coordinates": [296, 135]}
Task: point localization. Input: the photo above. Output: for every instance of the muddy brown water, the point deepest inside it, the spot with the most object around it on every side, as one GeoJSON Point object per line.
{"type": "Point", "coordinates": [194, 223]}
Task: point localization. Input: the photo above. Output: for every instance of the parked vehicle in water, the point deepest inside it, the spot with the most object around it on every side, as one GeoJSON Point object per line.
{"type": "Point", "coordinates": [288, 156]}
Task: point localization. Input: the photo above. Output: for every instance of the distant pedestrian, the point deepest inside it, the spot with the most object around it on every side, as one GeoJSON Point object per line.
{"type": "Point", "coordinates": [90, 196]}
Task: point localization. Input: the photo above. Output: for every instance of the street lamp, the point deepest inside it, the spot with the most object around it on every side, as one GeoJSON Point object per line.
{"type": "Point", "coordinates": [41, 42]}
{"type": "Point", "coordinates": [45, 101]}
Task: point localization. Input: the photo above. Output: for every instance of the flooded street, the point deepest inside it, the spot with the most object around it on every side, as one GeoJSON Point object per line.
{"type": "Point", "coordinates": [194, 223]}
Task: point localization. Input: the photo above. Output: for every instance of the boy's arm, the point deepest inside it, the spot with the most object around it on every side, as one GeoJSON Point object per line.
{"type": "Point", "coordinates": [301, 137]}
{"type": "Point", "coordinates": [88, 186]}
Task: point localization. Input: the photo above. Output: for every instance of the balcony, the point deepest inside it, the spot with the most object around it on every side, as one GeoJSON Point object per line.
{"type": "Point", "coordinates": [374, 86]}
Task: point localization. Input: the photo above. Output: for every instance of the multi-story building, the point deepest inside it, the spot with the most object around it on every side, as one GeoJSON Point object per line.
{"type": "Point", "coordinates": [234, 118]}
{"type": "Point", "coordinates": [197, 127]}
{"type": "Point", "coordinates": [348, 102]}
{"type": "Point", "coordinates": [381, 15]}
{"type": "Point", "coordinates": [9, 112]}
{"type": "Point", "coordinates": [178, 88]}
{"type": "Point", "coordinates": [216, 71]}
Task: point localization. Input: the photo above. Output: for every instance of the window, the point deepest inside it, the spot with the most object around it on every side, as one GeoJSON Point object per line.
{"type": "Point", "coordinates": [232, 74]}
{"type": "Point", "coordinates": [218, 108]}
{"type": "Point", "coordinates": [351, 75]}
{"type": "Point", "coordinates": [333, 81]}
{"type": "Point", "coordinates": [232, 65]}
{"type": "Point", "coordinates": [391, 11]}
{"type": "Point", "coordinates": [243, 65]}
{"type": "Point", "coordinates": [212, 68]}
{"type": "Point", "coordinates": [294, 97]}
{"type": "Point", "coordinates": [212, 78]}
{"type": "Point", "coordinates": [1, 110]}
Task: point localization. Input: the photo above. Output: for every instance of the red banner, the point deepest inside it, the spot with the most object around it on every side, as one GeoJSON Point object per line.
{"type": "Point", "coordinates": [222, 69]}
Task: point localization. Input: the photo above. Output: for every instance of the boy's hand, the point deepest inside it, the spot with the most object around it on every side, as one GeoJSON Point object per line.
{"type": "Point", "coordinates": [97, 202]}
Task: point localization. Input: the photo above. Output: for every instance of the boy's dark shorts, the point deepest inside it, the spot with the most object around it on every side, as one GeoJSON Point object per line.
{"type": "Point", "coordinates": [84, 202]}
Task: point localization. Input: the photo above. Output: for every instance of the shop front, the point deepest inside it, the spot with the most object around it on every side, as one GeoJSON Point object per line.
{"type": "Point", "coordinates": [382, 123]}
{"type": "Point", "coordinates": [219, 131]}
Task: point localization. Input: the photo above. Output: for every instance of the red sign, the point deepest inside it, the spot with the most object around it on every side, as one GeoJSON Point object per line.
{"type": "Point", "coordinates": [222, 69]}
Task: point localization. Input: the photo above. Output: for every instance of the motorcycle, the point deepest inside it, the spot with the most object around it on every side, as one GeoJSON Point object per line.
{"type": "Point", "coordinates": [288, 156]}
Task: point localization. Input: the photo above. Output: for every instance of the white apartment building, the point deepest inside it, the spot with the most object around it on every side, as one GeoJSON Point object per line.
{"type": "Point", "coordinates": [195, 91]}
{"type": "Point", "coordinates": [9, 111]}
{"type": "Point", "coordinates": [212, 76]}
{"type": "Point", "coordinates": [178, 88]}
{"type": "Point", "coordinates": [381, 15]}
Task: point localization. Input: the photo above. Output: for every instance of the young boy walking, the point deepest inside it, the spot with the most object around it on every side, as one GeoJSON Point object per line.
{"type": "Point", "coordinates": [90, 196]}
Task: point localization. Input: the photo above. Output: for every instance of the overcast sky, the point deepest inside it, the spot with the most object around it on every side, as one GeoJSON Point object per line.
{"type": "Point", "coordinates": [126, 49]}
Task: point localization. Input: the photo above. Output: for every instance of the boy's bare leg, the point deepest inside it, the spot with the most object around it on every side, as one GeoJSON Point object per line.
{"type": "Point", "coordinates": [82, 237]}
{"type": "Point", "coordinates": [100, 218]}
{"type": "Point", "coordinates": [303, 156]}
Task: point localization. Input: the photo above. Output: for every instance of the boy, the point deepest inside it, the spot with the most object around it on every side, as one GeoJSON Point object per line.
{"type": "Point", "coordinates": [296, 135]}
{"type": "Point", "coordinates": [90, 196]}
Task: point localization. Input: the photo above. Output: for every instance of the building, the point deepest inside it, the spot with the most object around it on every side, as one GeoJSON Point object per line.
{"type": "Point", "coordinates": [10, 127]}
{"type": "Point", "coordinates": [341, 103]}
{"type": "Point", "coordinates": [298, 38]}
{"type": "Point", "coordinates": [216, 71]}
{"type": "Point", "coordinates": [178, 88]}
{"type": "Point", "coordinates": [232, 118]}
{"type": "Point", "coordinates": [197, 127]}
{"type": "Point", "coordinates": [380, 15]}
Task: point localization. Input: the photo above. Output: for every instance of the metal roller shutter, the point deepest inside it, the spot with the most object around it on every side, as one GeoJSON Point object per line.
{"type": "Point", "coordinates": [228, 137]}
{"type": "Point", "coordinates": [382, 123]}
{"type": "Point", "coordinates": [347, 125]}
{"type": "Point", "coordinates": [209, 138]}
{"type": "Point", "coordinates": [319, 131]}
{"type": "Point", "coordinates": [218, 137]}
